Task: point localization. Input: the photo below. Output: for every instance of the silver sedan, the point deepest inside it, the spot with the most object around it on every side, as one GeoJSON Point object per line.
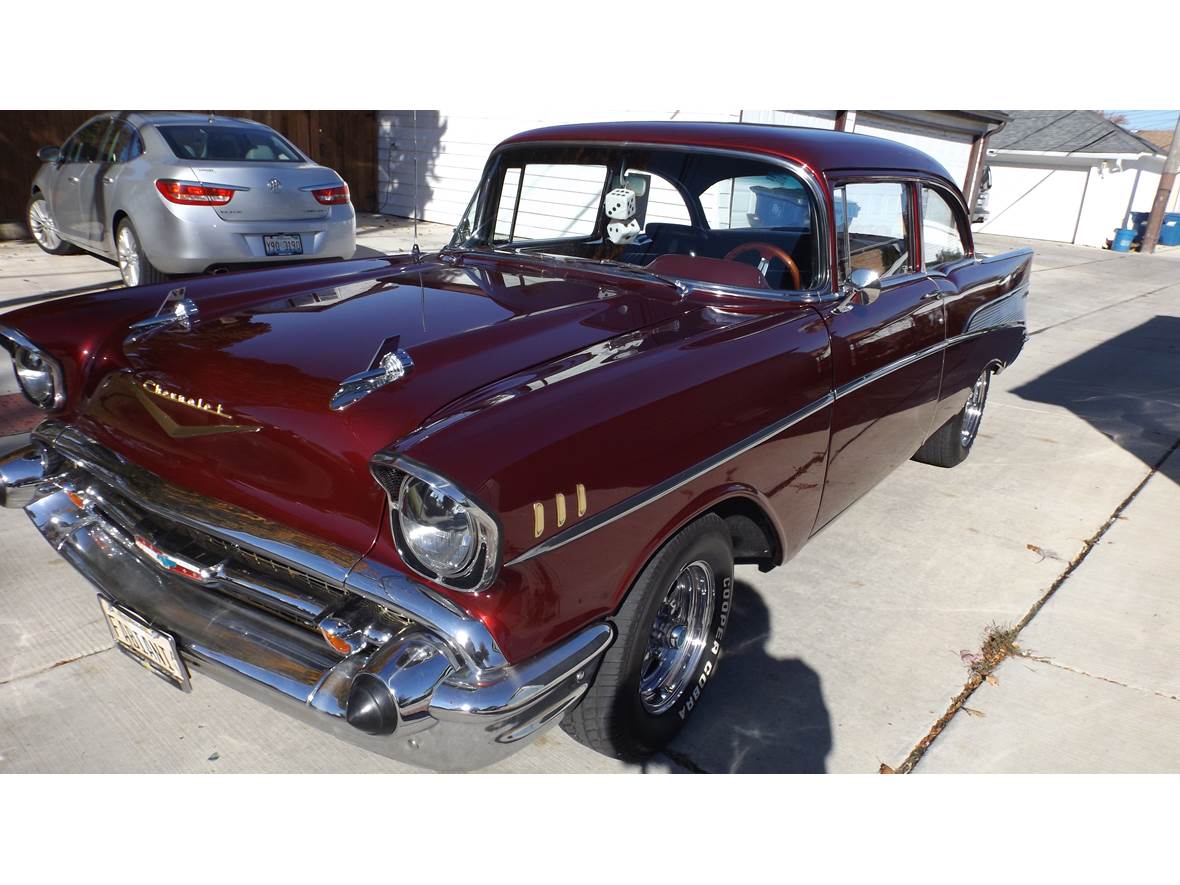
{"type": "Point", "coordinates": [166, 193]}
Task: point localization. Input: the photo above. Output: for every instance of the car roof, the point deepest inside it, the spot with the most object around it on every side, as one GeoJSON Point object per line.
{"type": "Point", "coordinates": [822, 150]}
{"type": "Point", "coordinates": [155, 118]}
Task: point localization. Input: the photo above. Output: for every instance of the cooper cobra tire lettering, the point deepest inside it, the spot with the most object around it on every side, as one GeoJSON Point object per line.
{"type": "Point", "coordinates": [714, 652]}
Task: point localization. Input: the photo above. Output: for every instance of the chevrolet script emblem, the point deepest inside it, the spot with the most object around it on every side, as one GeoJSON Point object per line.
{"type": "Point", "coordinates": [173, 427]}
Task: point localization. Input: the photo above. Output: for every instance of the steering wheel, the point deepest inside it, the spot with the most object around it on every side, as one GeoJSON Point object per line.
{"type": "Point", "coordinates": [765, 252]}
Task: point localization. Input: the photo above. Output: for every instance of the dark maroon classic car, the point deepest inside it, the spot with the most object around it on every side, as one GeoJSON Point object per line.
{"type": "Point", "coordinates": [438, 503]}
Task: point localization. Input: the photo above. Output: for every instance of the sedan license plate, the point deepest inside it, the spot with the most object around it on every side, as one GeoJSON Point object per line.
{"type": "Point", "coordinates": [152, 648]}
{"type": "Point", "coordinates": [283, 244]}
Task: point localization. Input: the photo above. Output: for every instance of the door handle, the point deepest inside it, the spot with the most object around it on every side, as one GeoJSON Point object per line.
{"type": "Point", "coordinates": [937, 293]}
{"type": "Point", "coordinates": [106, 179]}
{"type": "Point", "coordinates": [74, 179]}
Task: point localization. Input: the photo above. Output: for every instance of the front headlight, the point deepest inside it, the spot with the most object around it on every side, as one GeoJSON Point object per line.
{"type": "Point", "coordinates": [438, 529]}
{"type": "Point", "coordinates": [37, 373]}
{"type": "Point", "coordinates": [440, 532]}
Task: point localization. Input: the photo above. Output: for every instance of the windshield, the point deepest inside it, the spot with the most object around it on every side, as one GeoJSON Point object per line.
{"type": "Point", "coordinates": [245, 144]}
{"type": "Point", "coordinates": [679, 212]}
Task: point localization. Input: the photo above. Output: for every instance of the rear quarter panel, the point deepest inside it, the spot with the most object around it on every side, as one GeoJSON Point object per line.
{"type": "Point", "coordinates": [979, 284]}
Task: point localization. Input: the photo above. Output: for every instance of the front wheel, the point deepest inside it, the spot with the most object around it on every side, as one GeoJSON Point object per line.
{"type": "Point", "coordinates": [670, 631]}
{"type": "Point", "coordinates": [44, 228]}
{"type": "Point", "coordinates": [134, 266]}
{"type": "Point", "coordinates": [952, 442]}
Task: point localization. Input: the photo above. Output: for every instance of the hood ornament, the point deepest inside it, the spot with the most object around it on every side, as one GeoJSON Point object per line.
{"type": "Point", "coordinates": [176, 309]}
{"type": "Point", "coordinates": [393, 366]}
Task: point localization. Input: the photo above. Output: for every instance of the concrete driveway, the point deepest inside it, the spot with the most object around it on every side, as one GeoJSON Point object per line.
{"type": "Point", "coordinates": [854, 656]}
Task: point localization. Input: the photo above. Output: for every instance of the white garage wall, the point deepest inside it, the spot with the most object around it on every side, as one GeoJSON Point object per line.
{"type": "Point", "coordinates": [1037, 202]}
{"type": "Point", "coordinates": [952, 150]}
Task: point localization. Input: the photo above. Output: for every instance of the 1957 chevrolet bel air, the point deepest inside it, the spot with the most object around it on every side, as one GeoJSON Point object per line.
{"type": "Point", "coordinates": [438, 503]}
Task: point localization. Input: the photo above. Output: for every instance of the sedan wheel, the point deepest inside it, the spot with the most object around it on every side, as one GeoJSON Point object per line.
{"type": "Point", "coordinates": [44, 228]}
{"type": "Point", "coordinates": [127, 248]}
{"type": "Point", "coordinates": [134, 265]}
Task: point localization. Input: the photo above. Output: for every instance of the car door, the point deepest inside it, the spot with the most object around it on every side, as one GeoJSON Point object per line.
{"type": "Point", "coordinates": [99, 181]}
{"type": "Point", "coordinates": [78, 157]}
{"type": "Point", "coordinates": [887, 354]}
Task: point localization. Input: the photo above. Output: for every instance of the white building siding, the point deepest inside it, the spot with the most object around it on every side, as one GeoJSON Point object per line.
{"type": "Point", "coordinates": [432, 160]}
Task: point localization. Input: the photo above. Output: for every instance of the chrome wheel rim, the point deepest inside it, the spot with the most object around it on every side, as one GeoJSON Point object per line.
{"type": "Point", "coordinates": [41, 225]}
{"type": "Point", "coordinates": [678, 638]}
{"type": "Point", "coordinates": [973, 411]}
{"type": "Point", "coordinates": [127, 250]}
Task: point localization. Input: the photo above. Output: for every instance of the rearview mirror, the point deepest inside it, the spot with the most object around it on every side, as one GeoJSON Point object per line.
{"type": "Point", "coordinates": [49, 154]}
{"type": "Point", "coordinates": [863, 286]}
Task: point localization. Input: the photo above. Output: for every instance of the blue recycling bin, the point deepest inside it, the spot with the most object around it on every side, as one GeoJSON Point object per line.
{"type": "Point", "coordinates": [1170, 229]}
{"type": "Point", "coordinates": [1122, 240]}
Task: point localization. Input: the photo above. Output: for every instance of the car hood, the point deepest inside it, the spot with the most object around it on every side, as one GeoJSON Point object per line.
{"type": "Point", "coordinates": [237, 406]}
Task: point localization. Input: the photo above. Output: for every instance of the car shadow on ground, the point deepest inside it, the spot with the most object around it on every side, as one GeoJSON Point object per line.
{"type": "Point", "coordinates": [762, 714]}
{"type": "Point", "coordinates": [1127, 388]}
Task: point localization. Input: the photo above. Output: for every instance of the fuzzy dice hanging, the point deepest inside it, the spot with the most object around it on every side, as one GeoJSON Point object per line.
{"type": "Point", "coordinates": [620, 208]}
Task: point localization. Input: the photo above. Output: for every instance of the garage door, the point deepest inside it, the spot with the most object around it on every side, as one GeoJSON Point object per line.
{"type": "Point", "coordinates": [1035, 202]}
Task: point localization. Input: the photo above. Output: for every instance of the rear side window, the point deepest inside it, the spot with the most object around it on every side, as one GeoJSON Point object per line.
{"type": "Point", "coordinates": [123, 144]}
{"type": "Point", "coordinates": [758, 202]}
{"type": "Point", "coordinates": [872, 226]}
{"type": "Point", "coordinates": [237, 144]}
{"type": "Point", "coordinates": [942, 243]}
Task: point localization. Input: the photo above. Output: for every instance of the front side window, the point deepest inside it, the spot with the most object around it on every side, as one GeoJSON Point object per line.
{"type": "Point", "coordinates": [234, 144]}
{"type": "Point", "coordinates": [691, 214]}
{"type": "Point", "coordinates": [942, 243]}
{"type": "Point", "coordinates": [83, 145]}
{"type": "Point", "coordinates": [872, 228]}
{"type": "Point", "coordinates": [549, 201]}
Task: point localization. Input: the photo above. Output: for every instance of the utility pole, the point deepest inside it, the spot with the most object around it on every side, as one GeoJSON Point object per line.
{"type": "Point", "coordinates": [1167, 181]}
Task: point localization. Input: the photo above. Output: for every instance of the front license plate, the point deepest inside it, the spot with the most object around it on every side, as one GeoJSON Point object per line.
{"type": "Point", "coordinates": [152, 648]}
{"type": "Point", "coordinates": [283, 244]}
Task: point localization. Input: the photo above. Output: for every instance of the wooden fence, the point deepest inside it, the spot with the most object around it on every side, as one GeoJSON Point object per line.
{"type": "Point", "coordinates": [344, 140]}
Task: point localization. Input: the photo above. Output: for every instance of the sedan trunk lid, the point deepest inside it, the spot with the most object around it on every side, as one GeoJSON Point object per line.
{"type": "Point", "coordinates": [269, 191]}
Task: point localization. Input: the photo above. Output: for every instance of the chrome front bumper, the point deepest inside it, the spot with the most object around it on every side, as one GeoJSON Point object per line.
{"type": "Point", "coordinates": [425, 688]}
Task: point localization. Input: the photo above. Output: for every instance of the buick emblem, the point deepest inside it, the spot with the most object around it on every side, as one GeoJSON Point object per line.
{"type": "Point", "coordinates": [275, 185]}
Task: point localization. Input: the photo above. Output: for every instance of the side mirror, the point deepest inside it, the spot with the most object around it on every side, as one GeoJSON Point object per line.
{"type": "Point", "coordinates": [863, 286]}
{"type": "Point", "coordinates": [49, 154]}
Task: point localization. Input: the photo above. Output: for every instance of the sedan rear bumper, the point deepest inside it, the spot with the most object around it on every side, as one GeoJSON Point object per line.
{"type": "Point", "coordinates": [193, 239]}
{"type": "Point", "coordinates": [408, 696]}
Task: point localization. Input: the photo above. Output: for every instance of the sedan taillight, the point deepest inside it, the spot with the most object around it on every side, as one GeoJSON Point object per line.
{"type": "Point", "coordinates": [331, 196]}
{"type": "Point", "coordinates": [193, 194]}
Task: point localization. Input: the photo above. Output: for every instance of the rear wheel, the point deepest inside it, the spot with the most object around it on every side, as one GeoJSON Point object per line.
{"type": "Point", "coordinates": [134, 265]}
{"type": "Point", "coordinates": [44, 229]}
{"type": "Point", "coordinates": [952, 442]}
{"type": "Point", "coordinates": [669, 641]}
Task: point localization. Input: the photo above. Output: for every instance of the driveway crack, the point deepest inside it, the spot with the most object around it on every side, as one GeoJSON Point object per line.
{"type": "Point", "coordinates": [977, 679]}
{"type": "Point", "coordinates": [1043, 660]}
{"type": "Point", "coordinates": [55, 665]}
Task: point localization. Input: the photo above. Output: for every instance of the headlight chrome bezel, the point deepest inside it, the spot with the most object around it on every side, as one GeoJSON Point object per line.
{"type": "Point", "coordinates": [18, 347]}
{"type": "Point", "coordinates": [392, 473]}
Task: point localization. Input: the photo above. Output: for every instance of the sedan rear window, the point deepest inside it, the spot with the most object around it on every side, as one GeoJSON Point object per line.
{"type": "Point", "coordinates": [229, 143]}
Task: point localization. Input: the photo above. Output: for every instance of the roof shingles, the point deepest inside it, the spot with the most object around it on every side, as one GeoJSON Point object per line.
{"type": "Point", "coordinates": [1085, 132]}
